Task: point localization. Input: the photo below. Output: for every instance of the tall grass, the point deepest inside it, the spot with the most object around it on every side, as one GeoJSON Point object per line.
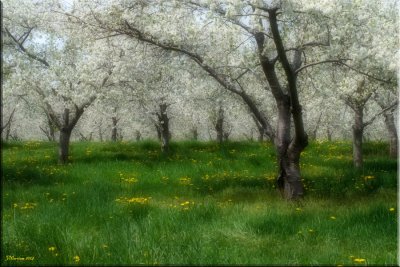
{"type": "Point", "coordinates": [127, 203]}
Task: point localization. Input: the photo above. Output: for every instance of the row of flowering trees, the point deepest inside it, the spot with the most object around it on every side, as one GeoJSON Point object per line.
{"type": "Point", "coordinates": [287, 68]}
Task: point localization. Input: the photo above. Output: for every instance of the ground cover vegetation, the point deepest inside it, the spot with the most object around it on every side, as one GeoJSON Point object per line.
{"type": "Point", "coordinates": [203, 203]}
{"type": "Point", "coordinates": [313, 81]}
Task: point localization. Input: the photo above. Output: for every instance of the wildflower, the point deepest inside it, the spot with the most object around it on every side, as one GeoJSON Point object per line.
{"type": "Point", "coordinates": [139, 200]}
{"type": "Point", "coordinates": [76, 258]}
{"type": "Point", "coordinates": [357, 260]}
{"type": "Point", "coordinates": [130, 180]}
{"type": "Point", "coordinates": [369, 177]}
{"type": "Point", "coordinates": [391, 209]}
{"type": "Point", "coordinates": [51, 249]}
{"type": "Point", "coordinates": [185, 181]}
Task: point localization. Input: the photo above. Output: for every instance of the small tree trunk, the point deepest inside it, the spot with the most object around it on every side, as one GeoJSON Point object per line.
{"type": "Point", "coordinates": [8, 131]}
{"type": "Point", "coordinates": [226, 136]}
{"type": "Point", "coordinates": [114, 131]}
{"type": "Point", "coordinates": [50, 123]}
{"type": "Point", "coordinates": [65, 135]}
{"type": "Point", "coordinates": [138, 135]}
{"type": "Point", "coordinates": [393, 138]}
{"type": "Point", "coordinates": [164, 127]}
{"type": "Point", "coordinates": [219, 125]}
{"type": "Point", "coordinates": [158, 132]}
{"type": "Point", "coordinates": [329, 134]}
{"type": "Point", "coordinates": [195, 134]}
{"type": "Point", "coordinates": [358, 130]}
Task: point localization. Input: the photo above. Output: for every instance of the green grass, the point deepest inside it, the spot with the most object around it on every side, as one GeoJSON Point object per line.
{"type": "Point", "coordinates": [127, 203]}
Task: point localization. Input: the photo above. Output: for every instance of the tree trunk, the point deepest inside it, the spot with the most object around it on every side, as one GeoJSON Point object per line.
{"type": "Point", "coordinates": [358, 130]}
{"type": "Point", "coordinates": [114, 131]}
{"type": "Point", "coordinates": [52, 127]}
{"type": "Point", "coordinates": [138, 135]}
{"type": "Point", "coordinates": [65, 135]}
{"type": "Point", "coordinates": [158, 132]}
{"type": "Point", "coordinates": [219, 125]}
{"type": "Point", "coordinates": [195, 134]}
{"type": "Point", "coordinates": [8, 131]}
{"type": "Point", "coordinates": [393, 138]}
{"type": "Point", "coordinates": [289, 179]}
{"type": "Point", "coordinates": [329, 134]}
{"type": "Point", "coordinates": [164, 128]}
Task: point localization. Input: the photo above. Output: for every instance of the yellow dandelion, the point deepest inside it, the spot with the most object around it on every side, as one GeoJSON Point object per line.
{"type": "Point", "coordinates": [51, 249]}
{"type": "Point", "coordinates": [357, 260]}
{"type": "Point", "coordinates": [391, 209]}
{"type": "Point", "coordinates": [76, 259]}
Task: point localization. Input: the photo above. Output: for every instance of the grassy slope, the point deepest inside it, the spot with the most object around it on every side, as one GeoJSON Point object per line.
{"type": "Point", "coordinates": [125, 203]}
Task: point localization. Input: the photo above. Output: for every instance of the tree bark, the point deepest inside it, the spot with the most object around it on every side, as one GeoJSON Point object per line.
{"type": "Point", "coordinates": [358, 130]}
{"type": "Point", "coordinates": [114, 129]}
{"type": "Point", "coordinates": [63, 152]}
{"type": "Point", "coordinates": [219, 125]}
{"type": "Point", "coordinates": [158, 129]}
{"type": "Point", "coordinates": [289, 179]}
{"type": "Point", "coordinates": [393, 137]}
{"type": "Point", "coordinates": [164, 127]}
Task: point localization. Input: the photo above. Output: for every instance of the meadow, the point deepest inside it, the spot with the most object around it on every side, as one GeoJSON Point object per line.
{"type": "Point", "coordinates": [203, 203]}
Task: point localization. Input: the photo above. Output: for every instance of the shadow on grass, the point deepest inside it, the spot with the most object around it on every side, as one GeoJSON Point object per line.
{"type": "Point", "coordinates": [215, 185]}
{"type": "Point", "coordinates": [13, 175]}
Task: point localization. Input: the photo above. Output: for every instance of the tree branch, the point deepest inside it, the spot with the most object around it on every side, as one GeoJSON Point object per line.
{"type": "Point", "coordinates": [394, 104]}
{"type": "Point", "coordinates": [23, 49]}
{"type": "Point", "coordinates": [337, 61]}
{"type": "Point", "coordinates": [9, 120]}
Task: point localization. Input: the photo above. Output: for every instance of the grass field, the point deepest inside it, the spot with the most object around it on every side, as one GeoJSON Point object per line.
{"type": "Point", "coordinates": [126, 203]}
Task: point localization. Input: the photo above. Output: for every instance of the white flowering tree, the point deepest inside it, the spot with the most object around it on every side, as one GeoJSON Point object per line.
{"type": "Point", "coordinates": [362, 33]}
{"type": "Point", "coordinates": [64, 71]}
{"type": "Point", "coordinates": [273, 45]}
